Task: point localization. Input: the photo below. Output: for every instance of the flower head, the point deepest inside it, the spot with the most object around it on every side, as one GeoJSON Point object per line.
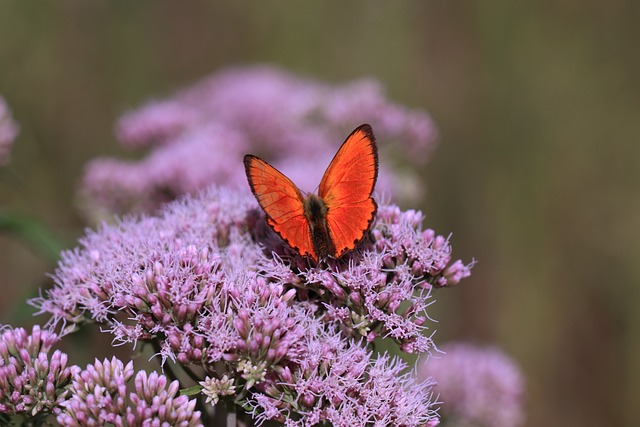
{"type": "Point", "coordinates": [31, 380]}
{"type": "Point", "coordinates": [99, 392]}
{"type": "Point", "coordinates": [478, 386]}
{"type": "Point", "coordinates": [213, 287]}
{"type": "Point", "coordinates": [213, 388]}
{"type": "Point", "coordinates": [337, 381]}
{"type": "Point", "coordinates": [209, 260]}
{"type": "Point", "coordinates": [9, 130]}
{"type": "Point", "coordinates": [199, 136]}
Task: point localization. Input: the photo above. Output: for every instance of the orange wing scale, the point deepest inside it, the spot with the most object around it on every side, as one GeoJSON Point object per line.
{"type": "Point", "coordinates": [282, 202]}
{"type": "Point", "coordinates": [346, 189]}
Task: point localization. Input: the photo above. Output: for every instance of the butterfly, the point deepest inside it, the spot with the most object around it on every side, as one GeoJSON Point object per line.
{"type": "Point", "coordinates": [333, 222]}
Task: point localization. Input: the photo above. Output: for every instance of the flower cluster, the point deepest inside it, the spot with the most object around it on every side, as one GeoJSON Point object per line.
{"type": "Point", "coordinates": [212, 287]}
{"type": "Point", "coordinates": [31, 380]}
{"type": "Point", "coordinates": [478, 386]}
{"type": "Point", "coordinates": [390, 283]}
{"type": "Point", "coordinates": [35, 384]}
{"type": "Point", "coordinates": [339, 382]}
{"type": "Point", "coordinates": [99, 395]}
{"type": "Point", "coordinates": [199, 136]}
{"type": "Point", "coordinates": [8, 132]}
{"type": "Point", "coordinates": [213, 388]}
{"type": "Point", "coordinates": [152, 277]}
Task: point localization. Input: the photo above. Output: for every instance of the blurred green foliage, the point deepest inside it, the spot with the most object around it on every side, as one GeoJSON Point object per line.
{"type": "Point", "coordinates": [538, 106]}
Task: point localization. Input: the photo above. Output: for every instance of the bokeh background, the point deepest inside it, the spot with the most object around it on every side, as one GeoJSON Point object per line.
{"type": "Point", "coordinates": [537, 171]}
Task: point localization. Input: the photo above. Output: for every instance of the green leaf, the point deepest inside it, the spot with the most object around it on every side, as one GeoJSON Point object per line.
{"type": "Point", "coordinates": [190, 391]}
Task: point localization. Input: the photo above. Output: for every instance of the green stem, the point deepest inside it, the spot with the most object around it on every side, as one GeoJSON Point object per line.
{"type": "Point", "coordinates": [232, 419]}
{"type": "Point", "coordinates": [191, 374]}
{"type": "Point", "coordinates": [37, 420]}
{"type": "Point", "coordinates": [205, 415]}
{"type": "Point", "coordinates": [5, 420]}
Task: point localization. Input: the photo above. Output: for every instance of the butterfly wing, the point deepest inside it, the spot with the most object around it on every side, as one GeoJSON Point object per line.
{"type": "Point", "coordinates": [282, 202]}
{"type": "Point", "coordinates": [346, 189]}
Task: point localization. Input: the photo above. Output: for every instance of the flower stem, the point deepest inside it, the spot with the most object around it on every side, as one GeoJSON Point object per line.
{"type": "Point", "coordinates": [231, 415]}
{"type": "Point", "coordinates": [35, 421]}
{"type": "Point", "coordinates": [191, 374]}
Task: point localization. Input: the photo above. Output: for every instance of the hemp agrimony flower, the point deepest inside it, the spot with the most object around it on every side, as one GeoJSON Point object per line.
{"type": "Point", "coordinates": [32, 381]}
{"type": "Point", "coordinates": [213, 289]}
{"type": "Point", "coordinates": [213, 388]}
{"type": "Point", "coordinates": [99, 395]}
{"type": "Point", "coordinates": [198, 137]}
{"type": "Point", "coordinates": [478, 386]}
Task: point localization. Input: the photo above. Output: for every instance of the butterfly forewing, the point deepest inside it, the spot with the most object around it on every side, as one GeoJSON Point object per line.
{"type": "Point", "coordinates": [346, 189]}
{"type": "Point", "coordinates": [282, 202]}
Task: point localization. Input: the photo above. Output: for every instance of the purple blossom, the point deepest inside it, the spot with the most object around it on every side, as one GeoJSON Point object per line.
{"type": "Point", "coordinates": [156, 276]}
{"type": "Point", "coordinates": [478, 386]}
{"type": "Point", "coordinates": [99, 395]}
{"type": "Point", "coordinates": [337, 381]}
{"type": "Point", "coordinates": [213, 287]}
{"type": "Point", "coordinates": [9, 130]}
{"type": "Point", "coordinates": [389, 283]}
{"type": "Point", "coordinates": [199, 135]}
{"type": "Point", "coordinates": [32, 382]}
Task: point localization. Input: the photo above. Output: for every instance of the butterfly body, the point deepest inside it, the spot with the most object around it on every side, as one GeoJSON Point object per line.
{"type": "Point", "coordinates": [332, 222]}
{"type": "Point", "coordinates": [316, 212]}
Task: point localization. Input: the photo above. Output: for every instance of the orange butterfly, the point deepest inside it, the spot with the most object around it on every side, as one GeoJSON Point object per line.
{"type": "Point", "coordinates": [333, 222]}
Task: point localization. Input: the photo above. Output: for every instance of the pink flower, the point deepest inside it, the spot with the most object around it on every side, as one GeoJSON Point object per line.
{"type": "Point", "coordinates": [198, 137]}
{"type": "Point", "coordinates": [156, 276]}
{"type": "Point", "coordinates": [211, 286]}
{"type": "Point", "coordinates": [99, 395]}
{"type": "Point", "coordinates": [341, 383]}
{"type": "Point", "coordinates": [478, 386]}
{"type": "Point", "coordinates": [31, 380]}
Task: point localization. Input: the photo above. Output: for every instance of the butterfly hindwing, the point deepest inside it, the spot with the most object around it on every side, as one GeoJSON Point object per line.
{"type": "Point", "coordinates": [282, 202]}
{"type": "Point", "coordinates": [346, 189]}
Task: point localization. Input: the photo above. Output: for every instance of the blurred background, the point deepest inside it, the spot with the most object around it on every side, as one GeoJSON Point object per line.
{"type": "Point", "coordinates": [536, 173]}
